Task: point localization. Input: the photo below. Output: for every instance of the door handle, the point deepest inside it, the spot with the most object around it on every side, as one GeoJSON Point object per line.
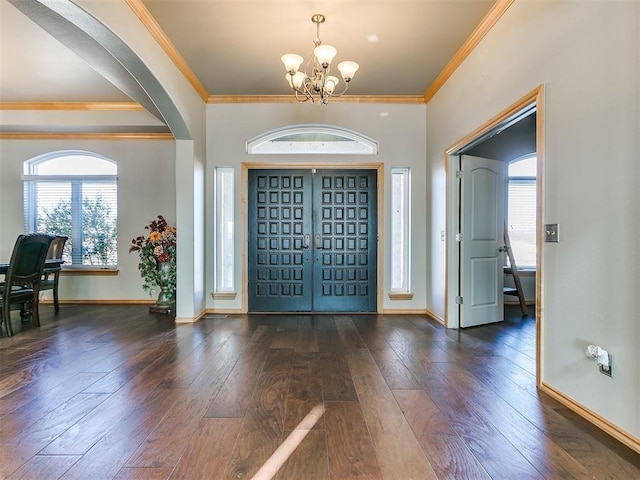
{"type": "Point", "coordinates": [318, 242]}
{"type": "Point", "coordinates": [503, 249]}
{"type": "Point", "coordinates": [307, 239]}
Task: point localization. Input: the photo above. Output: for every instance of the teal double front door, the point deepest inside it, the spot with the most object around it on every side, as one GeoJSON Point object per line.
{"type": "Point", "coordinates": [312, 240]}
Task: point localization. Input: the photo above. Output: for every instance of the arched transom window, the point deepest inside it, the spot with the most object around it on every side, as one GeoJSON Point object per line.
{"type": "Point", "coordinates": [312, 139]}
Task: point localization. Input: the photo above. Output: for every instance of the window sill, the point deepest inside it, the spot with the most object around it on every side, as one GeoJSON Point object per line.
{"type": "Point", "coordinates": [223, 295]}
{"type": "Point", "coordinates": [400, 295]}
{"type": "Point", "coordinates": [93, 272]}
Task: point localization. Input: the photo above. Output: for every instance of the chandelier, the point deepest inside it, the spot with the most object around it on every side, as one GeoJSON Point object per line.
{"type": "Point", "coordinates": [316, 83]}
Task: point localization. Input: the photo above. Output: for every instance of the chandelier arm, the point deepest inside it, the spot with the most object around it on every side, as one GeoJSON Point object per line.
{"type": "Point", "coordinates": [300, 99]}
{"type": "Point", "coordinates": [303, 91]}
{"type": "Point", "coordinates": [346, 87]}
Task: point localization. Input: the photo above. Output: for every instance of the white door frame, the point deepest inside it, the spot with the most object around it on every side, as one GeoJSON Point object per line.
{"type": "Point", "coordinates": [452, 277]}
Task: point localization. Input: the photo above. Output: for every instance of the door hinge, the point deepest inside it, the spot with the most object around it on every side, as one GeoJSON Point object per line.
{"type": "Point", "coordinates": [459, 237]}
{"type": "Point", "coordinates": [459, 300]}
{"type": "Point", "coordinates": [459, 174]}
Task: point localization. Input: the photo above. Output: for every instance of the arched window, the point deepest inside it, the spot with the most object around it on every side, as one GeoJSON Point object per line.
{"type": "Point", "coordinates": [312, 139]}
{"type": "Point", "coordinates": [75, 194]}
{"type": "Point", "coordinates": [521, 214]}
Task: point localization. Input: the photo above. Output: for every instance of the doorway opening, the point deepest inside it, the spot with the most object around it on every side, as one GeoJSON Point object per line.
{"type": "Point", "coordinates": [465, 278]}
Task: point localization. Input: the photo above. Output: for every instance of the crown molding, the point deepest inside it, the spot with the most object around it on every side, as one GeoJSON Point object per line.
{"type": "Point", "coordinates": [169, 48]}
{"type": "Point", "coordinates": [487, 23]}
{"type": "Point", "coordinates": [93, 106]}
{"type": "Point", "coordinates": [388, 99]}
{"type": "Point", "coordinates": [84, 136]}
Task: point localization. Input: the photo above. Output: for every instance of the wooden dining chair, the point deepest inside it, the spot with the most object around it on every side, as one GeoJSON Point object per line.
{"type": "Point", "coordinates": [51, 275]}
{"type": "Point", "coordinates": [22, 280]}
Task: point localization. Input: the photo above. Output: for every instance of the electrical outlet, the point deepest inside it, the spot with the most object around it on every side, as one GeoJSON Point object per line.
{"type": "Point", "coordinates": [608, 371]}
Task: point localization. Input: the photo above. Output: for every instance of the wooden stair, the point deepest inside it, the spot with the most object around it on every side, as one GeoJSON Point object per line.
{"type": "Point", "coordinates": [513, 271]}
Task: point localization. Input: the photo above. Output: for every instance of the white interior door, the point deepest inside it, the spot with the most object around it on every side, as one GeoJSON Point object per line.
{"type": "Point", "coordinates": [481, 253]}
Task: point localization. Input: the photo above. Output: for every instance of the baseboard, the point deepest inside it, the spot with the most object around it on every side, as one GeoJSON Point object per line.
{"type": "Point", "coordinates": [403, 311]}
{"type": "Point", "coordinates": [191, 319]}
{"type": "Point", "coordinates": [228, 311]}
{"type": "Point", "coordinates": [186, 319]}
{"type": "Point", "coordinates": [616, 432]}
{"type": "Point", "coordinates": [435, 317]}
{"type": "Point", "coordinates": [417, 311]}
{"type": "Point", "coordinates": [44, 301]}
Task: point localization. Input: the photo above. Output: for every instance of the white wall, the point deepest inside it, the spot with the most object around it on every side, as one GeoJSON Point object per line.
{"type": "Point", "coordinates": [401, 143]}
{"type": "Point", "coordinates": [587, 55]}
{"type": "Point", "coordinates": [146, 188]}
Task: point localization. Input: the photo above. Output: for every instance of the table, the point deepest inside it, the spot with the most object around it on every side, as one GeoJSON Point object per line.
{"type": "Point", "coordinates": [49, 263]}
{"type": "Point", "coordinates": [25, 313]}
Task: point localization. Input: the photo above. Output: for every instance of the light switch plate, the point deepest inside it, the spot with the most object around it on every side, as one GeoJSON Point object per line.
{"type": "Point", "coordinates": [551, 232]}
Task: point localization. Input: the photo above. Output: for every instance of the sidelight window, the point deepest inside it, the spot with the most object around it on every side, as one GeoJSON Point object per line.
{"type": "Point", "coordinates": [224, 231]}
{"type": "Point", "coordinates": [400, 229]}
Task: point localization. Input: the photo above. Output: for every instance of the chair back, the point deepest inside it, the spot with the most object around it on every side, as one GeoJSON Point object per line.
{"type": "Point", "coordinates": [27, 259]}
{"type": "Point", "coordinates": [56, 247]}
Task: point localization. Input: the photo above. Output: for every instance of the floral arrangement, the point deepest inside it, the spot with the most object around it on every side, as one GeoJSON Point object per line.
{"type": "Point", "coordinates": [158, 248]}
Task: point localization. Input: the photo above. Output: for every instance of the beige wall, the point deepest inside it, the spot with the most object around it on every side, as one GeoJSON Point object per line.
{"type": "Point", "coordinates": [146, 188]}
{"type": "Point", "coordinates": [587, 55]}
{"type": "Point", "coordinates": [400, 135]}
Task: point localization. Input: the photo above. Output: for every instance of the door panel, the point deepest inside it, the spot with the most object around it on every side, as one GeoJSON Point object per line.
{"type": "Point", "coordinates": [279, 219]}
{"type": "Point", "coordinates": [482, 227]}
{"type": "Point", "coordinates": [345, 220]}
{"type": "Point", "coordinates": [312, 240]}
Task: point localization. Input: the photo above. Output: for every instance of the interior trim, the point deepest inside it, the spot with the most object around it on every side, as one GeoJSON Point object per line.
{"type": "Point", "coordinates": [109, 55]}
{"type": "Point", "coordinates": [435, 317]}
{"type": "Point", "coordinates": [400, 295]}
{"type": "Point", "coordinates": [139, 9]}
{"type": "Point", "coordinates": [368, 145]}
{"type": "Point", "coordinates": [224, 295]}
{"type": "Point", "coordinates": [169, 48]}
{"type": "Point", "coordinates": [396, 99]}
{"type": "Point", "coordinates": [535, 96]}
{"type": "Point", "coordinates": [487, 23]}
{"type": "Point", "coordinates": [93, 106]}
{"type": "Point", "coordinates": [101, 302]}
{"type": "Point", "coordinates": [229, 311]}
{"type": "Point", "coordinates": [84, 136]}
{"type": "Point", "coordinates": [403, 311]}
{"type": "Point", "coordinates": [187, 320]}
{"type": "Point", "coordinates": [616, 432]}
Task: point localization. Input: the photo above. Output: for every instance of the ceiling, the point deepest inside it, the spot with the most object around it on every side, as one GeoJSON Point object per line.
{"type": "Point", "coordinates": [233, 47]}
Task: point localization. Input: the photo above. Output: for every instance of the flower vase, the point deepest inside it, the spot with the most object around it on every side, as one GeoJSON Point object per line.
{"type": "Point", "coordinates": [166, 302]}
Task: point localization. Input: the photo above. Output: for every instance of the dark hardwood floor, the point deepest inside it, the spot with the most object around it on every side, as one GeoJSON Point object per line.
{"type": "Point", "coordinates": [115, 392]}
